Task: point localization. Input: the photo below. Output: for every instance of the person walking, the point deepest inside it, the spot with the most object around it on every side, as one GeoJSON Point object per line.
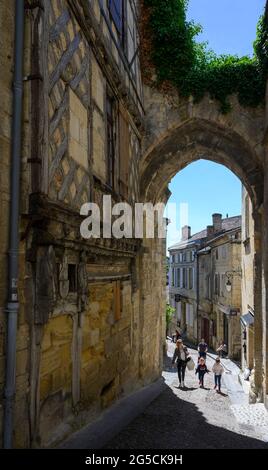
{"type": "Point", "coordinates": [201, 370]}
{"type": "Point", "coordinates": [202, 349]}
{"type": "Point", "coordinates": [218, 371]}
{"type": "Point", "coordinates": [176, 335]}
{"type": "Point", "coordinates": [180, 356]}
{"type": "Point", "coordinates": [222, 349]}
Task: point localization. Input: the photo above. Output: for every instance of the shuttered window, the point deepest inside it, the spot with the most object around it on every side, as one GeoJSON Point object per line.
{"type": "Point", "coordinates": [124, 155]}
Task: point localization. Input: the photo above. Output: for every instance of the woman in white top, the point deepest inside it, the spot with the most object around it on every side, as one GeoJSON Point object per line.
{"type": "Point", "coordinates": [218, 371]}
{"type": "Point", "coordinates": [180, 355]}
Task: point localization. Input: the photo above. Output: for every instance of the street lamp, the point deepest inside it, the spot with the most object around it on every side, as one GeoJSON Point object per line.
{"type": "Point", "coordinates": [229, 275]}
{"type": "Point", "coordinates": [228, 285]}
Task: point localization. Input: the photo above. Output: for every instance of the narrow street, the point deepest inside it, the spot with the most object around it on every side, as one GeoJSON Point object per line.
{"type": "Point", "coordinates": [195, 418]}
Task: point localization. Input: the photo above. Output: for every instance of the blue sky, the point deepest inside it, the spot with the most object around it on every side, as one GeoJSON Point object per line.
{"type": "Point", "coordinates": [207, 188]}
{"type": "Point", "coordinates": [229, 26]}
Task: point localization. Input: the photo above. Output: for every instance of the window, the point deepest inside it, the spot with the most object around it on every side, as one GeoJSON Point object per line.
{"type": "Point", "coordinates": [72, 277]}
{"type": "Point", "coordinates": [181, 278]}
{"type": "Point", "coordinates": [189, 315]}
{"type": "Point", "coordinates": [116, 10]}
{"type": "Point", "coordinates": [222, 284]}
{"type": "Point", "coordinates": [208, 289]}
{"type": "Point", "coordinates": [178, 280]}
{"type": "Point", "coordinates": [191, 278]}
{"type": "Point", "coordinates": [184, 285]}
{"type": "Point", "coordinates": [172, 277]}
{"type": "Point", "coordinates": [110, 141]}
{"type": "Point", "coordinates": [124, 154]}
{"type": "Point", "coordinates": [175, 278]}
{"type": "Point", "coordinates": [217, 284]}
{"type": "Point", "coordinates": [180, 257]}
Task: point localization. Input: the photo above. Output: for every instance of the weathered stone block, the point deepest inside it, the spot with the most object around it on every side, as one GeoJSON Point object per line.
{"type": "Point", "coordinates": [78, 130]}
{"type": "Point", "coordinates": [99, 160]}
{"type": "Point", "coordinates": [97, 84]}
{"type": "Point", "coordinates": [94, 337]}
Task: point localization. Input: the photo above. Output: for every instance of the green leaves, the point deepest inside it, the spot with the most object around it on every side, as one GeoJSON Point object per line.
{"type": "Point", "coordinates": [195, 69]}
{"type": "Point", "coordinates": [169, 314]}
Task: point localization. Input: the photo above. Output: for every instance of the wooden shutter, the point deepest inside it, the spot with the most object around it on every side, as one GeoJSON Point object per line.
{"type": "Point", "coordinates": [124, 155]}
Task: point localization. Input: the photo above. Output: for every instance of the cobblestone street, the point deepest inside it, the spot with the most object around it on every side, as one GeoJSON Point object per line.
{"type": "Point", "coordinates": [196, 418]}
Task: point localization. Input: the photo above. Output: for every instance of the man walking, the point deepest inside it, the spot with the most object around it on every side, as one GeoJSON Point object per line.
{"type": "Point", "coordinates": [202, 349]}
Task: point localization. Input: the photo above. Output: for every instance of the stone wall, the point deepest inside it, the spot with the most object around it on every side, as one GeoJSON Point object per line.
{"type": "Point", "coordinates": [7, 14]}
{"type": "Point", "coordinates": [247, 287]}
{"type": "Point", "coordinates": [92, 313]}
{"type": "Point", "coordinates": [91, 316]}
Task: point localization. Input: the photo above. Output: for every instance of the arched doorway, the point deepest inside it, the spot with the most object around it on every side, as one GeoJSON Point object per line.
{"type": "Point", "coordinates": [174, 149]}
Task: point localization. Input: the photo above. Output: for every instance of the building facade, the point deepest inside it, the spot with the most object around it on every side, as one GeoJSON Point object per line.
{"type": "Point", "coordinates": [89, 314]}
{"type": "Point", "coordinates": [220, 288]}
{"type": "Point", "coordinates": [183, 279]}
{"type": "Point", "coordinates": [82, 338]}
{"type": "Point", "coordinates": [205, 279]}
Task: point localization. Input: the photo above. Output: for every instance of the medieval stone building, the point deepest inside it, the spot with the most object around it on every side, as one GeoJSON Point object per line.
{"type": "Point", "coordinates": [82, 338]}
{"type": "Point", "coordinates": [205, 283]}
{"type": "Point", "coordinates": [219, 282]}
{"type": "Point", "coordinates": [183, 277]}
{"type": "Point", "coordinates": [84, 318]}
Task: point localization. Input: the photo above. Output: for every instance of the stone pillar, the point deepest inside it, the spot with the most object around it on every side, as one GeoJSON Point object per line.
{"type": "Point", "coordinates": [152, 281]}
{"type": "Point", "coordinates": [256, 387]}
{"type": "Point", "coordinates": [265, 278]}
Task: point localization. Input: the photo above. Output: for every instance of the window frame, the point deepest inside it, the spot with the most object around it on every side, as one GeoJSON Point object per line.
{"type": "Point", "coordinates": [118, 18]}
{"type": "Point", "coordinates": [110, 139]}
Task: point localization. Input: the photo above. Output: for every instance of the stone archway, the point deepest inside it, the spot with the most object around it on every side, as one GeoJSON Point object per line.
{"type": "Point", "coordinates": [195, 139]}
{"type": "Point", "coordinates": [178, 133]}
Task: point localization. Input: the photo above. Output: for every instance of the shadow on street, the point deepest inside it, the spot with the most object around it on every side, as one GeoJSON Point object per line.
{"type": "Point", "coordinates": [172, 423]}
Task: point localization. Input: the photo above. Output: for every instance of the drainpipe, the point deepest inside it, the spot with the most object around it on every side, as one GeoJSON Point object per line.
{"type": "Point", "coordinates": [12, 307]}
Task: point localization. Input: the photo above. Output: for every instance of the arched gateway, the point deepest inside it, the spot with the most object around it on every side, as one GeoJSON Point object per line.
{"type": "Point", "coordinates": [179, 132]}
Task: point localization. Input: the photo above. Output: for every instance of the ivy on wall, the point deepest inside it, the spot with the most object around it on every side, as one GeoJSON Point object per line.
{"type": "Point", "coordinates": [195, 70]}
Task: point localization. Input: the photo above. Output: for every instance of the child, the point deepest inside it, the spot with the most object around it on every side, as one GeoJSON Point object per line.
{"type": "Point", "coordinates": [201, 370]}
{"type": "Point", "coordinates": [218, 371]}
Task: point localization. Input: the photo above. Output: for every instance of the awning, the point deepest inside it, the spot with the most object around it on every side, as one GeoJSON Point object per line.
{"type": "Point", "coordinates": [232, 311]}
{"type": "Point", "coordinates": [247, 319]}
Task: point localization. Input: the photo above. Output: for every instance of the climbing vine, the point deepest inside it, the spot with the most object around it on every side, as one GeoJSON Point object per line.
{"type": "Point", "coordinates": [179, 59]}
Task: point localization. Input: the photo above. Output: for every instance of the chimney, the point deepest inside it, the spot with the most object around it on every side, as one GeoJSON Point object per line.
{"type": "Point", "coordinates": [217, 222]}
{"type": "Point", "coordinates": [210, 230]}
{"type": "Point", "coordinates": [186, 233]}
